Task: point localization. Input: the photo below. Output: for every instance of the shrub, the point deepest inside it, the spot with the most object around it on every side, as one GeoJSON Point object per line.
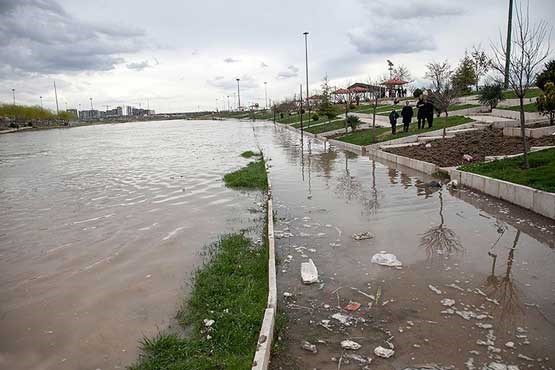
{"type": "Point", "coordinates": [417, 93]}
{"type": "Point", "coordinates": [352, 106]}
{"type": "Point", "coordinates": [315, 117]}
{"type": "Point", "coordinates": [546, 102]}
{"type": "Point", "coordinates": [353, 122]}
{"type": "Point", "coordinates": [491, 95]}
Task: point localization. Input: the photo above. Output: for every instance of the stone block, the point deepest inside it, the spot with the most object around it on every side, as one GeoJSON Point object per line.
{"type": "Point", "coordinates": [524, 196]}
{"type": "Point", "coordinates": [491, 187]}
{"type": "Point", "coordinates": [544, 203]}
{"type": "Point", "coordinates": [478, 182]}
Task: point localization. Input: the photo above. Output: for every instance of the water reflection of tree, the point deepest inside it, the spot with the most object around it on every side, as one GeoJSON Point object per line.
{"type": "Point", "coordinates": [503, 290]}
{"type": "Point", "coordinates": [392, 174]}
{"type": "Point", "coordinates": [440, 240]}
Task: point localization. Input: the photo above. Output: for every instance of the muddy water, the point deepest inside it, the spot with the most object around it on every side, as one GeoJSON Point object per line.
{"type": "Point", "coordinates": [101, 227]}
{"type": "Point", "coordinates": [494, 260]}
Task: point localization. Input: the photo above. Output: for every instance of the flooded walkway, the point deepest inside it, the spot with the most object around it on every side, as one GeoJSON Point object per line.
{"type": "Point", "coordinates": [476, 284]}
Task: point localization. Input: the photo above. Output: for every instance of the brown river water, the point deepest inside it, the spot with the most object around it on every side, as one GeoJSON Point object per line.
{"type": "Point", "coordinates": [102, 226]}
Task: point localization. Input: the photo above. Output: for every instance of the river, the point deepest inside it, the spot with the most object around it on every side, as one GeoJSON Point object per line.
{"type": "Point", "coordinates": [102, 226]}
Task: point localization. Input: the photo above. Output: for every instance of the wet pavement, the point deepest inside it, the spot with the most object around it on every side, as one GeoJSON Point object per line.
{"type": "Point", "coordinates": [101, 227]}
{"type": "Point", "coordinates": [100, 230]}
{"type": "Point", "coordinates": [476, 284]}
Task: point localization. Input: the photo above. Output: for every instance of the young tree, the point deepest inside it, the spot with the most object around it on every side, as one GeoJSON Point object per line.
{"type": "Point", "coordinates": [327, 108]}
{"type": "Point", "coordinates": [546, 102]}
{"type": "Point", "coordinates": [530, 47]}
{"type": "Point", "coordinates": [465, 75]}
{"type": "Point", "coordinates": [439, 74]}
{"type": "Point", "coordinates": [481, 62]}
{"type": "Point", "coordinates": [402, 73]}
{"type": "Point", "coordinates": [443, 99]}
{"type": "Point", "coordinates": [547, 75]}
{"type": "Point", "coordinates": [491, 95]}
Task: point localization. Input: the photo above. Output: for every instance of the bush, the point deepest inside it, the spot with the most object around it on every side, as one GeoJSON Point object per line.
{"type": "Point", "coordinates": [315, 117]}
{"type": "Point", "coordinates": [353, 122]}
{"type": "Point", "coordinates": [546, 102]}
{"type": "Point", "coordinates": [491, 95]}
{"type": "Point", "coordinates": [417, 93]}
{"type": "Point", "coordinates": [352, 106]}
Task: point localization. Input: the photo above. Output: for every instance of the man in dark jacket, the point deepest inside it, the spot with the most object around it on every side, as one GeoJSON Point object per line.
{"type": "Point", "coordinates": [407, 114]}
{"type": "Point", "coordinates": [421, 112]}
{"type": "Point", "coordinates": [429, 109]}
{"type": "Point", "coordinates": [393, 121]}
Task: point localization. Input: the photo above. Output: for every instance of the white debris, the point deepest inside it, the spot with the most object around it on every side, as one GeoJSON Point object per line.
{"type": "Point", "coordinates": [467, 157]}
{"type": "Point", "coordinates": [363, 236]}
{"type": "Point", "coordinates": [448, 302]}
{"type": "Point", "coordinates": [524, 357]}
{"type": "Point", "coordinates": [453, 184]}
{"type": "Point", "coordinates": [467, 315]}
{"type": "Point", "coordinates": [428, 145]}
{"type": "Point", "coordinates": [434, 289]}
{"type": "Point", "coordinates": [386, 259]}
{"type": "Point", "coordinates": [309, 272]}
{"type": "Point", "coordinates": [383, 352]}
{"type": "Point", "coordinates": [484, 326]}
{"type": "Point", "coordinates": [448, 311]}
{"type": "Point", "coordinates": [287, 294]}
{"type": "Point", "coordinates": [349, 344]}
{"type": "Point", "coordinates": [344, 319]}
{"type": "Point", "coordinates": [510, 345]}
{"type": "Point", "coordinates": [520, 329]}
{"type": "Point", "coordinates": [470, 364]}
{"type": "Point", "coordinates": [485, 343]}
{"type": "Point", "coordinates": [494, 349]}
{"type": "Point", "coordinates": [455, 286]}
{"type": "Point", "coordinates": [358, 358]}
{"type": "Point", "coordinates": [208, 322]}
{"type": "Point", "coordinates": [307, 346]}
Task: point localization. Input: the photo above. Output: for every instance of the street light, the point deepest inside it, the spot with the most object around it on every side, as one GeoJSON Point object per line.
{"type": "Point", "coordinates": [13, 93]}
{"type": "Point", "coordinates": [266, 94]}
{"type": "Point", "coordinates": [508, 53]}
{"type": "Point", "coordinates": [228, 106]}
{"type": "Point", "coordinates": [40, 102]}
{"type": "Point", "coordinates": [306, 65]}
{"type": "Point", "coordinates": [238, 95]}
{"type": "Point", "coordinates": [91, 103]}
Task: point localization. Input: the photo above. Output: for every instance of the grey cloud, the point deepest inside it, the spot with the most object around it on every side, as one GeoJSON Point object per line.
{"type": "Point", "coordinates": [263, 65]}
{"type": "Point", "coordinates": [402, 9]}
{"type": "Point", "coordinates": [231, 60]}
{"type": "Point", "coordinates": [379, 39]}
{"type": "Point", "coordinates": [291, 72]}
{"type": "Point", "coordinates": [138, 66]}
{"type": "Point", "coordinates": [39, 36]}
{"type": "Point", "coordinates": [223, 83]}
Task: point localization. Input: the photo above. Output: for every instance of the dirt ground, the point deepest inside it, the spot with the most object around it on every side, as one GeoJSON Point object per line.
{"type": "Point", "coordinates": [478, 144]}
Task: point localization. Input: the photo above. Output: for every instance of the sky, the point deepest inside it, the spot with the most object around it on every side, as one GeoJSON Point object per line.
{"type": "Point", "coordinates": [185, 55]}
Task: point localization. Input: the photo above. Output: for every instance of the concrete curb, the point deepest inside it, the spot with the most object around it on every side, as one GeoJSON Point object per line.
{"type": "Point", "coordinates": [535, 200]}
{"type": "Point", "coordinates": [264, 345]}
{"type": "Point", "coordinates": [426, 167]}
{"type": "Point", "coordinates": [529, 132]}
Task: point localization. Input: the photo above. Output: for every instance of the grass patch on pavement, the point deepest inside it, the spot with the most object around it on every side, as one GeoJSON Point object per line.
{"type": "Point", "coordinates": [530, 108]}
{"type": "Point", "coordinates": [334, 125]}
{"type": "Point", "coordinates": [365, 137]}
{"type": "Point", "coordinates": [541, 174]}
{"type": "Point", "coordinates": [231, 289]}
{"type": "Point", "coordinates": [252, 176]}
{"type": "Point", "coordinates": [249, 154]}
{"type": "Point", "coordinates": [532, 93]}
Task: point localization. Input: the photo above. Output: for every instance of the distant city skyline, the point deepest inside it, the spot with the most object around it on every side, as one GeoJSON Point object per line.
{"type": "Point", "coordinates": [183, 56]}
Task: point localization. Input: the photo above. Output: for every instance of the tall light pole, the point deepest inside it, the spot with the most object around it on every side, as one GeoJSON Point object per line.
{"type": "Point", "coordinates": [40, 102]}
{"type": "Point", "coordinates": [508, 53]}
{"type": "Point", "coordinates": [56, 95]}
{"type": "Point", "coordinates": [238, 95]}
{"type": "Point", "coordinates": [306, 70]}
{"type": "Point", "coordinates": [13, 94]}
{"type": "Point", "coordinates": [266, 95]}
{"type": "Point", "coordinates": [228, 106]}
{"type": "Point", "coordinates": [91, 103]}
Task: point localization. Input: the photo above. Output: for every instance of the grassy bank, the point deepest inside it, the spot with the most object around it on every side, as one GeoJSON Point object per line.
{"type": "Point", "coordinates": [251, 176]}
{"type": "Point", "coordinates": [541, 174]}
{"type": "Point", "coordinates": [531, 93]}
{"type": "Point", "coordinates": [530, 108]}
{"type": "Point", "coordinates": [333, 125]}
{"type": "Point", "coordinates": [365, 137]}
{"type": "Point", "coordinates": [24, 113]}
{"type": "Point", "coordinates": [231, 289]}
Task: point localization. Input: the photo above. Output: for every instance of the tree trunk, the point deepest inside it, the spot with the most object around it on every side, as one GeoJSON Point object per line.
{"type": "Point", "coordinates": [523, 132]}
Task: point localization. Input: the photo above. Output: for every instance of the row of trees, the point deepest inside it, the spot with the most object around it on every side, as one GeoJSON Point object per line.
{"type": "Point", "coordinates": [23, 113]}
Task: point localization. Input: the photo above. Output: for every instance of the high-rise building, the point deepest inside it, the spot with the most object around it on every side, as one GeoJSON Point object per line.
{"type": "Point", "coordinates": [132, 111]}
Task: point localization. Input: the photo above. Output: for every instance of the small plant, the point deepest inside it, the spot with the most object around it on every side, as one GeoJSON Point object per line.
{"type": "Point", "coordinates": [249, 154]}
{"type": "Point", "coordinates": [353, 122]}
{"type": "Point", "coordinates": [546, 102]}
{"type": "Point", "coordinates": [315, 117]}
{"type": "Point", "coordinates": [491, 95]}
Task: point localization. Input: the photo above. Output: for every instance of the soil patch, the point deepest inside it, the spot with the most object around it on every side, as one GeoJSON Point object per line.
{"type": "Point", "coordinates": [478, 144]}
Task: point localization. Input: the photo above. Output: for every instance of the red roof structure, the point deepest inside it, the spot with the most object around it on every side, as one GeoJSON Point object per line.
{"type": "Point", "coordinates": [342, 91]}
{"type": "Point", "coordinates": [395, 82]}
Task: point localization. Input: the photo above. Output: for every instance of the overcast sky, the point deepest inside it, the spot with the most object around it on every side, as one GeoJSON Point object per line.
{"type": "Point", "coordinates": [179, 55]}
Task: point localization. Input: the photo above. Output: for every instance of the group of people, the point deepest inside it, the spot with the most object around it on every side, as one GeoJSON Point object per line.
{"type": "Point", "coordinates": [425, 113]}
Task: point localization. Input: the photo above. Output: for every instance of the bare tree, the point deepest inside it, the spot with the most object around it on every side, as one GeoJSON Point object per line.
{"type": "Point", "coordinates": [439, 73]}
{"type": "Point", "coordinates": [482, 63]}
{"type": "Point", "coordinates": [530, 47]}
{"type": "Point", "coordinates": [402, 73]}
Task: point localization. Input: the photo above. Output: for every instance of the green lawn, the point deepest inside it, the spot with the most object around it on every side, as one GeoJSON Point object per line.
{"type": "Point", "coordinates": [462, 106]}
{"type": "Point", "coordinates": [364, 137]}
{"type": "Point", "coordinates": [249, 177]}
{"type": "Point", "coordinates": [532, 93]}
{"type": "Point", "coordinates": [334, 125]}
{"type": "Point", "coordinates": [531, 108]}
{"type": "Point", "coordinates": [541, 174]}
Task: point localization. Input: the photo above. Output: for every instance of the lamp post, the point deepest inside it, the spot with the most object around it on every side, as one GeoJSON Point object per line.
{"type": "Point", "coordinates": [508, 52]}
{"type": "Point", "coordinates": [306, 70]}
{"type": "Point", "coordinates": [41, 102]}
{"type": "Point", "coordinates": [91, 103]}
{"type": "Point", "coordinates": [13, 94]}
{"type": "Point", "coordinates": [228, 106]}
{"type": "Point", "coordinates": [265, 95]}
{"type": "Point", "coordinates": [238, 95]}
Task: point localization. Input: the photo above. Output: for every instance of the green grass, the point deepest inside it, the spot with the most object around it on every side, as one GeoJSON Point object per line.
{"type": "Point", "coordinates": [30, 113]}
{"type": "Point", "coordinates": [231, 289]}
{"type": "Point", "coordinates": [541, 174]}
{"type": "Point", "coordinates": [249, 154]}
{"type": "Point", "coordinates": [532, 93]}
{"type": "Point", "coordinates": [462, 106]}
{"type": "Point", "coordinates": [531, 107]}
{"type": "Point", "coordinates": [364, 137]}
{"type": "Point", "coordinates": [251, 176]}
{"type": "Point", "coordinates": [334, 125]}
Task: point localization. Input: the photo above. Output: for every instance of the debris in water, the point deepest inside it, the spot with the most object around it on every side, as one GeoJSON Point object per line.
{"type": "Point", "coordinates": [524, 357]}
{"type": "Point", "coordinates": [484, 326]}
{"type": "Point", "coordinates": [383, 352]}
{"type": "Point", "coordinates": [434, 289]}
{"type": "Point", "coordinates": [470, 364]}
{"type": "Point", "coordinates": [467, 157]}
{"type": "Point", "coordinates": [344, 319]}
{"type": "Point", "coordinates": [309, 272]}
{"type": "Point", "coordinates": [363, 236]}
{"type": "Point", "coordinates": [349, 344]}
{"type": "Point", "coordinates": [287, 294]}
{"type": "Point", "coordinates": [352, 306]}
{"type": "Point", "coordinates": [455, 286]}
{"type": "Point", "coordinates": [448, 302]}
{"type": "Point", "coordinates": [307, 346]}
{"type": "Point", "coordinates": [386, 259]}
{"type": "Point", "coordinates": [363, 360]}
{"type": "Point", "coordinates": [510, 345]}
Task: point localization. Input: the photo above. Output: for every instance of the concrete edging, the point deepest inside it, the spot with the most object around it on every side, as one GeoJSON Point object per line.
{"type": "Point", "coordinates": [535, 200]}
{"type": "Point", "coordinates": [264, 345]}
{"type": "Point", "coordinates": [415, 164]}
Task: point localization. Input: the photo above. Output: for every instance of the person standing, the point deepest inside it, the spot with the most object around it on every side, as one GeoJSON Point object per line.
{"type": "Point", "coordinates": [420, 114]}
{"type": "Point", "coordinates": [429, 110]}
{"type": "Point", "coordinates": [393, 116]}
{"type": "Point", "coordinates": [407, 114]}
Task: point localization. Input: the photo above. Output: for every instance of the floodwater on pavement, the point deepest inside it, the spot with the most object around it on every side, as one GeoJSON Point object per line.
{"type": "Point", "coordinates": [100, 230]}
{"type": "Point", "coordinates": [492, 259]}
